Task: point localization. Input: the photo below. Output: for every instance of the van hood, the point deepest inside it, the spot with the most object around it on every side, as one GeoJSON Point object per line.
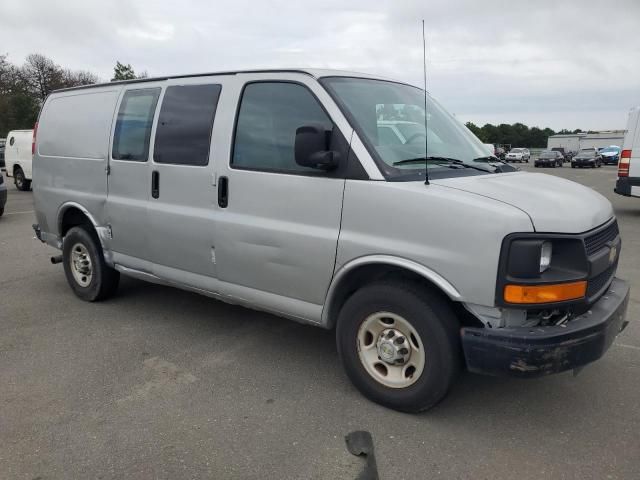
{"type": "Point", "coordinates": [555, 205]}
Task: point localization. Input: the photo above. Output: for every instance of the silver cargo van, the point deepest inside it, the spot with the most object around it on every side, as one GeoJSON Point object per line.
{"type": "Point", "coordinates": [321, 196]}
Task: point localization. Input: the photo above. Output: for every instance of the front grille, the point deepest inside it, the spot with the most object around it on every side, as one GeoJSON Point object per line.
{"type": "Point", "coordinates": [598, 282]}
{"type": "Point", "coordinates": [598, 240]}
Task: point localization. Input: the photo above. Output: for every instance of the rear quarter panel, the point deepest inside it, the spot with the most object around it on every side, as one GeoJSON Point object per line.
{"type": "Point", "coordinates": [72, 146]}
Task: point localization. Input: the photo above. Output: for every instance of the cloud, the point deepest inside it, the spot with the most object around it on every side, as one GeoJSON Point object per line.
{"type": "Point", "coordinates": [561, 64]}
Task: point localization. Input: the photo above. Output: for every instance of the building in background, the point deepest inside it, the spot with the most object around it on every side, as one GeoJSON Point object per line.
{"type": "Point", "coordinates": [575, 141]}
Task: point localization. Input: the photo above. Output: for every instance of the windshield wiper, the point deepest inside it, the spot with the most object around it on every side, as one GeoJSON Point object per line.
{"type": "Point", "coordinates": [441, 161]}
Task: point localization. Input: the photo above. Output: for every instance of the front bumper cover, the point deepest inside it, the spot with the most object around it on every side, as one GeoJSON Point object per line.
{"type": "Point", "coordinates": [538, 351]}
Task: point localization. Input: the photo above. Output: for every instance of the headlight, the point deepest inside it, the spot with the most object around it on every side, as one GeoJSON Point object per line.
{"type": "Point", "coordinates": [545, 256]}
{"type": "Point", "coordinates": [529, 261]}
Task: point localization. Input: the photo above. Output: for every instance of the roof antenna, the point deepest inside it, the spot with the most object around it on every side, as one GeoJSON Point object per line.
{"type": "Point", "coordinates": [426, 117]}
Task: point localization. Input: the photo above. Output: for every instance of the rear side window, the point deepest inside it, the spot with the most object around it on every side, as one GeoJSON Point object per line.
{"type": "Point", "coordinates": [183, 134]}
{"type": "Point", "coordinates": [269, 116]}
{"type": "Point", "coordinates": [133, 126]}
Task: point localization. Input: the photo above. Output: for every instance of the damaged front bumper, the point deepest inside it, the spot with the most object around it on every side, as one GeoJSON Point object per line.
{"type": "Point", "coordinates": [537, 351]}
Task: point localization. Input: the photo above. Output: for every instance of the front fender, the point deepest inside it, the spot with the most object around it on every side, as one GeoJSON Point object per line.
{"type": "Point", "coordinates": [399, 262]}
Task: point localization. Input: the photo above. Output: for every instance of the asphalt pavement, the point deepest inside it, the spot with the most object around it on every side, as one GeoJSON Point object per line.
{"type": "Point", "coordinates": [162, 383]}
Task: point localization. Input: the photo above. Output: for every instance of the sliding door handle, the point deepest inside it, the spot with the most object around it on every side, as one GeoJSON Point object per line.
{"type": "Point", "coordinates": [223, 192]}
{"type": "Point", "coordinates": [155, 184]}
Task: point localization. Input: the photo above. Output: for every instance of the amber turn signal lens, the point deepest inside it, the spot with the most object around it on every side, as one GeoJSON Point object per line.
{"type": "Point", "coordinates": [558, 292]}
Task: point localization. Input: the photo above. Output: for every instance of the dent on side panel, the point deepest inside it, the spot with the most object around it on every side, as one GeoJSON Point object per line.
{"type": "Point", "coordinates": [452, 233]}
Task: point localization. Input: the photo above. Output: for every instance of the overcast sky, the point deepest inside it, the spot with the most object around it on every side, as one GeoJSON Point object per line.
{"type": "Point", "coordinates": [560, 63]}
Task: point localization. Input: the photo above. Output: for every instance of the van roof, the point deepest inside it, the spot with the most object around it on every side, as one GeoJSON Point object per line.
{"type": "Point", "coordinates": [313, 72]}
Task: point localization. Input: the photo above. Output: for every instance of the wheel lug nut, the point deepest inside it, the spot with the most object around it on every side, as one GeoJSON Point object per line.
{"type": "Point", "coordinates": [390, 334]}
{"type": "Point", "coordinates": [403, 351]}
{"type": "Point", "coordinates": [399, 340]}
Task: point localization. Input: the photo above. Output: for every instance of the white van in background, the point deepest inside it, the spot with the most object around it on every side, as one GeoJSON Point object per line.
{"type": "Point", "coordinates": [628, 183]}
{"type": "Point", "coordinates": [17, 157]}
{"type": "Point", "coordinates": [491, 147]}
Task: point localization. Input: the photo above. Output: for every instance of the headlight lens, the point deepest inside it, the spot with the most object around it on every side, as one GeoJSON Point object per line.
{"type": "Point", "coordinates": [545, 255]}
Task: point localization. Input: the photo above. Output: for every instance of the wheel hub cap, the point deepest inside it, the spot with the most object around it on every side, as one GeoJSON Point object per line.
{"type": "Point", "coordinates": [390, 350]}
{"type": "Point", "coordinates": [81, 267]}
{"type": "Point", "coordinates": [393, 347]}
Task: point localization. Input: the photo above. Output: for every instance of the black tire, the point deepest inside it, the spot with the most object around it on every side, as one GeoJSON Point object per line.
{"type": "Point", "coordinates": [20, 181]}
{"type": "Point", "coordinates": [104, 280]}
{"type": "Point", "coordinates": [1, 211]}
{"type": "Point", "coordinates": [434, 321]}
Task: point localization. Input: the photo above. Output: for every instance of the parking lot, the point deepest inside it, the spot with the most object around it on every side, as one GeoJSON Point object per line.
{"type": "Point", "coordinates": [162, 383]}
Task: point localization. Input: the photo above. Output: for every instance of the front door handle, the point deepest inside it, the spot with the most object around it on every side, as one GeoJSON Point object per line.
{"type": "Point", "coordinates": [155, 184]}
{"type": "Point", "coordinates": [223, 192]}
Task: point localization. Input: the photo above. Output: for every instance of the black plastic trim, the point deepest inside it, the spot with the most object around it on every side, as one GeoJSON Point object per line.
{"type": "Point", "coordinates": [624, 184]}
{"type": "Point", "coordinates": [536, 351]}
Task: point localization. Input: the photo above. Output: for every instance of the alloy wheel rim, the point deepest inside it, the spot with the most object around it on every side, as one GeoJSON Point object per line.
{"type": "Point", "coordinates": [390, 350]}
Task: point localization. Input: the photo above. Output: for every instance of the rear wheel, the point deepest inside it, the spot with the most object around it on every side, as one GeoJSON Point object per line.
{"type": "Point", "coordinates": [88, 275]}
{"type": "Point", "coordinates": [399, 345]}
{"type": "Point", "coordinates": [20, 180]}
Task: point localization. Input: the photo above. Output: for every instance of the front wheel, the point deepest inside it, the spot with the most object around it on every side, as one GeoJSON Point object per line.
{"type": "Point", "coordinates": [88, 275]}
{"type": "Point", "coordinates": [399, 345]}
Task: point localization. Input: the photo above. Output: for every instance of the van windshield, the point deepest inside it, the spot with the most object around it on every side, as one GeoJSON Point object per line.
{"type": "Point", "coordinates": [389, 118]}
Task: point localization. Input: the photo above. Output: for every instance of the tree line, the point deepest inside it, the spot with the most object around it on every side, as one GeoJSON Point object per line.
{"type": "Point", "coordinates": [516, 135]}
{"type": "Point", "coordinates": [23, 88]}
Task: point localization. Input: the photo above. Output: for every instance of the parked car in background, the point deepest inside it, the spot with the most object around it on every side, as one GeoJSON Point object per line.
{"type": "Point", "coordinates": [610, 155]}
{"type": "Point", "coordinates": [518, 155]}
{"type": "Point", "coordinates": [628, 182]}
{"type": "Point", "coordinates": [3, 194]}
{"type": "Point", "coordinates": [2, 142]}
{"type": "Point", "coordinates": [549, 158]}
{"type": "Point", "coordinates": [587, 157]}
{"type": "Point", "coordinates": [18, 158]}
{"type": "Point", "coordinates": [566, 154]}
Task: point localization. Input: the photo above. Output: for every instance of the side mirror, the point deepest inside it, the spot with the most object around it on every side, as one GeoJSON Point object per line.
{"type": "Point", "coordinates": [311, 146]}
